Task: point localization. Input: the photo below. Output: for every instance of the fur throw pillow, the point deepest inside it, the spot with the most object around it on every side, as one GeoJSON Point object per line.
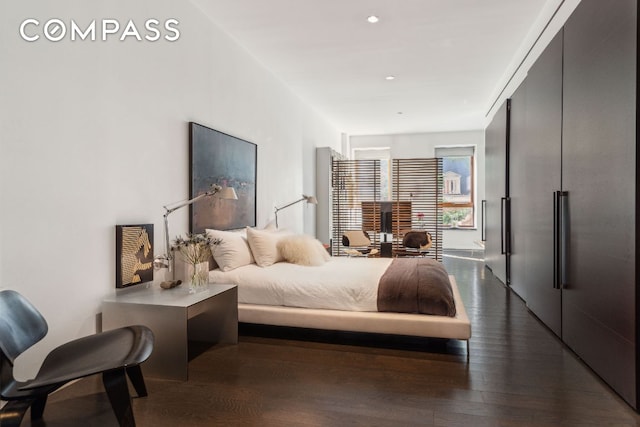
{"type": "Point", "coordinates": [302, 250]}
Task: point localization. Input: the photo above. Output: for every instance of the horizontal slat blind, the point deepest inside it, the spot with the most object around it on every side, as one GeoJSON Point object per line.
{"type": "Point", "coordinates": [416, 204]}
{"type": "Point", "coordinates": [356, 191]}
{"type": "Point", "coordinates": [417, 194]}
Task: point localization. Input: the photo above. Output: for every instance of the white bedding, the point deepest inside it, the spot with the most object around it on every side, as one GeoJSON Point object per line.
{"type": "Point", "coordinates": [349, 284]}
{"type": "Point", "coordinates": [334, 306]}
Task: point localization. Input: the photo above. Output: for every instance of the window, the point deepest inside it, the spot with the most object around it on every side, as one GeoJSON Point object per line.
{"type": "Point", "coordinates": [384, 155]}
{"type": "Point", "coordinates": [458, 179]}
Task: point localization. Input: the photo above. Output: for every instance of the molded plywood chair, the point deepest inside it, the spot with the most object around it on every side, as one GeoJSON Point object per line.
{"type": "Point", "coordinates": [115, 354]}
{"type": "Point", "coordinates": [358, 243]}
{"type": "Point", "coordinates": [415, 243]}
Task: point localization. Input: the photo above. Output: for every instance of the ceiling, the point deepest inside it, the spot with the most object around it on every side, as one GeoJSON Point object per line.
{"type": "Point", "coordinates": [449, 57]}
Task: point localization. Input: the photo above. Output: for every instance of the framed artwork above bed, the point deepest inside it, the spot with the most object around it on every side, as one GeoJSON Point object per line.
{"type": "Point", "coordinates": [218, 158]}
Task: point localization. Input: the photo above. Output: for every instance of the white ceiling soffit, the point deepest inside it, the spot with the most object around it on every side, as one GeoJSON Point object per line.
{"type": "Point", "coordinates": [448, 57]}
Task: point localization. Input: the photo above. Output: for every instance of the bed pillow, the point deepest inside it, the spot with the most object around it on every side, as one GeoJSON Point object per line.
{"type": "Point", "coordinates": [232, 251]}
{"type": "Point", "coordinates": [302, 250]}
{"type": "Point", "coordinates": [263, 244]}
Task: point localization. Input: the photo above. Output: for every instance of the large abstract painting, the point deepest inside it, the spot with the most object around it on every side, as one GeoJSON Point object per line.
{"type": "Point", "coordinates": [134, 254]}
{"type": "Point", "coordinates": [218, 158]}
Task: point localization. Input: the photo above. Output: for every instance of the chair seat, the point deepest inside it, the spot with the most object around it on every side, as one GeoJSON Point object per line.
{"type": "Point", "coordinates": [361, 253]}
{"type": "Point", "coordinates": [409, 253]}
{"type": "Point", "coordinates": [115, 349]}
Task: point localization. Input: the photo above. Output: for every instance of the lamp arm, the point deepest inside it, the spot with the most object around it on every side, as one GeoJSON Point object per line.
{"type": "Point", "coordinates": [178, 205]}
{"type": "Point", "coordinates": [168, 210]}
{"type": "Point", "coordinates": [286, 206]}
{"type": "Point", "coordinates": [169, 256]}
{"type": "Point", "coordinates": [309, 199]}
{"type": "Point", "coordinates": [290, 204]}
{"type": "Point", "coordinates": [185, 203]}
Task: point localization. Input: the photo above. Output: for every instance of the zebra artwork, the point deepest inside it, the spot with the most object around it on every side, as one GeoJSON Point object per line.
{"type": "Point", "coordinates": [134, 257]}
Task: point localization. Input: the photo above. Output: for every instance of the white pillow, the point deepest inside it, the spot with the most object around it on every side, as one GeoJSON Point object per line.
{"type": "Point", "coordinates": [303, 250]}
{"type": "Point", "coordinates": [263, 246]}
{"type": "Point", "coordinates": [232, 251]}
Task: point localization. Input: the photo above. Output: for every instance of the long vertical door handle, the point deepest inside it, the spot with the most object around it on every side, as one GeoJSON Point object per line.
{"type": "Point", "coordinates": [505, 239]}
{"type": "Point", "coordinates": [507, 226]}
{"type": "Point", "coordinates": [564, 238]}
{"type": "Point", "coordinates": [556, 239]}
{"type": "Point", "coordinates": [502, 203]}
{"type": "Point", "coordinates": [483, 231]}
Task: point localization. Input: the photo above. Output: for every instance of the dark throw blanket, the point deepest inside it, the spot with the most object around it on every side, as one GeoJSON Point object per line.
{"type": "Point", "coordinates": [416, 285]}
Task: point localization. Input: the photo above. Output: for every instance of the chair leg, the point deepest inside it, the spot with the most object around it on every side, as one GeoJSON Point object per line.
{"type": "Point", "coordinates": [115, 383]}
{"type": "Point", "coordinates": [12, 413]}
{"type": "Point", "coordinates": [37, 408]}
{"type": "Point", "coordinates": [135, 375]}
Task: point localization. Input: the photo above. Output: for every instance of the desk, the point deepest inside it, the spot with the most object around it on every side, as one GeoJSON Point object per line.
{"type": "Point", "coordinates": [176, 317]}
{"type": "Point", "coordinates": [386, 249]}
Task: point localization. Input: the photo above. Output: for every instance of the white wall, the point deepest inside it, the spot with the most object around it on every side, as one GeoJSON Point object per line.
{"type": "Point", "coordinates": [406, 146]}
{"type": "Point", "coordinates": [94, 134]}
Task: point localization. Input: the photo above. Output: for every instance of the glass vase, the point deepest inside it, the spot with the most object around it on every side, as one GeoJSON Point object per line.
{"type": "Point", "coordinates": [197, 275]}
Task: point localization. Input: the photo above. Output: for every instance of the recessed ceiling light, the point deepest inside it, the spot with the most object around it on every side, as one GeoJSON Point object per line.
{"type": "Point", "coordinates": [390, 77]}
{"type": "Point", "coordinates": [373, 19]}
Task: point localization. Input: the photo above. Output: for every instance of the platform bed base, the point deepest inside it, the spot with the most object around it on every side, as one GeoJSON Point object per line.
{"type": "Point", "coordinates": [418, 325]}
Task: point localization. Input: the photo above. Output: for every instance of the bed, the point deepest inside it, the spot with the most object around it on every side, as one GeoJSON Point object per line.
{"type": "Point", "coordinates": [340, 294]}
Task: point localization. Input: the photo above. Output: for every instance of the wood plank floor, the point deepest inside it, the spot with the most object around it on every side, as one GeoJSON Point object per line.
{"type": "Point", "coordinates": [517, 374]}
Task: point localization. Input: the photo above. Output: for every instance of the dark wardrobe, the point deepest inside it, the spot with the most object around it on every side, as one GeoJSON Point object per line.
{"type": "Point", "coordinates": [536, 179]}
{"type": "Point", "coordinates": [497, 238]}
{"type": "Point", "coordinates": [574, 189]}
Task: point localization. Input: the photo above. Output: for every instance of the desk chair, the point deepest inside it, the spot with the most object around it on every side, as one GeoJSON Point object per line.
{"type": "Point", "coordinates": [415, 243]}
{"type": "Point", "coordinates": [358, 243]}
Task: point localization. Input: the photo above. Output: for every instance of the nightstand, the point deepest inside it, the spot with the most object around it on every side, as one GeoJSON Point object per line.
{"type": "Point", "coordinates": [176, 317]}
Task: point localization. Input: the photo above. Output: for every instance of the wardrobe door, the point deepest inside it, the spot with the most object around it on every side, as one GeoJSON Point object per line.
{"type": "Point", "coordinates": [519, 188]}
{"type": "Point", "coordinates": [496, 191]}
{"type": "Point", "coordinates": [535, 174]}
{"type": "Point", "coordinates": [599, 175]}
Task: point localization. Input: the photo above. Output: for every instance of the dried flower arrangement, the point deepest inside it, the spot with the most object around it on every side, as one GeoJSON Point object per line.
{"type": "Point", "coordinates": [195, 249]}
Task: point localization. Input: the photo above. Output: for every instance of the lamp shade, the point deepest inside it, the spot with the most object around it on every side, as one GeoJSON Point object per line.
{"type": "Point", "coordinates": [228, 193]}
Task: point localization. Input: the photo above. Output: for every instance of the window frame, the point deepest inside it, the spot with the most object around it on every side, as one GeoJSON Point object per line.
{"type": "Point", "coordinates": [462, 152]}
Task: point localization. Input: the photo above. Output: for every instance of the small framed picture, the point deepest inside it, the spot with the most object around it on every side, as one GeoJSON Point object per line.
{"type": "Point", "coordinates": [134, 254]}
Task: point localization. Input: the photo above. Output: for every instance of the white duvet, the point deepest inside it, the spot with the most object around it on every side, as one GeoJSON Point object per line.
{"type": "Point", "coordinates": [340, 284]}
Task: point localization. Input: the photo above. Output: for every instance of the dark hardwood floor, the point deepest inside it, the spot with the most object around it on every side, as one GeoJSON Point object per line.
{"type": "Point", "coordinates": [517, 374]}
